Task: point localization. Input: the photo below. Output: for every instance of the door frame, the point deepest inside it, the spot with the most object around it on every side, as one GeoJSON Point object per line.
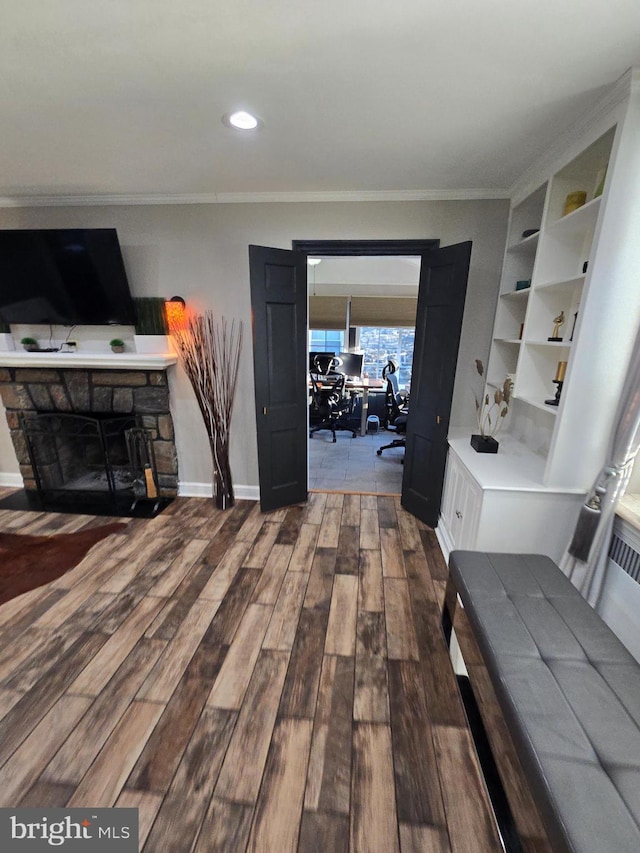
{"type": "Point", "coordinates": [372, 248]}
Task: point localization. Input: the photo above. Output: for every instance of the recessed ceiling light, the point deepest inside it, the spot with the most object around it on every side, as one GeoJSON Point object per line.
{"type": "Point", "coordinates": [313, 262]}
{"type": "Point", "coordinates": [242, 120]}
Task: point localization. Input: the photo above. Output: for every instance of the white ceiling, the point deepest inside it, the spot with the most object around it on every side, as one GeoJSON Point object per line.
{"type": "Point", "coordinates": [125, 97]}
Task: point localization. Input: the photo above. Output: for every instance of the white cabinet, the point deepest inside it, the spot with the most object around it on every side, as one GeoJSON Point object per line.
{"type": "Point", "coordinates": [582, 265]}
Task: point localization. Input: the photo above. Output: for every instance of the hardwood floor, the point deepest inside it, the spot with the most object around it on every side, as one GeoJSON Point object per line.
{"type": "Point", "coordinates": [273, 682]}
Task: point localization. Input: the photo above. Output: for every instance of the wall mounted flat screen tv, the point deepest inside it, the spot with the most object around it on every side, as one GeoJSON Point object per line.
{"type": "Point", "coordinates": [63, 276]}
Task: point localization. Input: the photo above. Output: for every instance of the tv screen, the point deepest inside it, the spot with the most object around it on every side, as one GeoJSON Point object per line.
{"type": "Point", "coordinates": [65, 276]}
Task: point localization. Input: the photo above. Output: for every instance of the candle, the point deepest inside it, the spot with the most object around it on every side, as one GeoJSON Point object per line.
{"type": "Point", "coordinates": [560, 372]}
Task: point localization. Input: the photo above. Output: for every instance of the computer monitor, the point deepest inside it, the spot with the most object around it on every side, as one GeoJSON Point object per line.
{"type": "Point", "coordinates": [351, 364]}
{"type": "Point", "coordinates": [321, 362]}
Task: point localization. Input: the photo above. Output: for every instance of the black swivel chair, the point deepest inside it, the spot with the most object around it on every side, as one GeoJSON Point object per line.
{"type": "Point", "coordinates": [396, 408]}
{"type": "Point", "coordinates": [330, 407]}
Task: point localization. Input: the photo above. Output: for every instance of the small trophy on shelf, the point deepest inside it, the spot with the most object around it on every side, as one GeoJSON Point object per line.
{"type": "Point", "coordinates": [559, 382]}
{"type": "Point", "coordinates": [558, 321]}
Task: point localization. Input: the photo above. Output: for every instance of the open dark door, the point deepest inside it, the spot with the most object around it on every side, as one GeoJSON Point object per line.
{"type": "Point", "coordinates": [279, 307]}
{"type": "Point", "coordinates": [441, 295]}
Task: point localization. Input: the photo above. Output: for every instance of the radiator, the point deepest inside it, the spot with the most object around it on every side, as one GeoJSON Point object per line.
{"type": "Point", "coordinates": [619, 603]}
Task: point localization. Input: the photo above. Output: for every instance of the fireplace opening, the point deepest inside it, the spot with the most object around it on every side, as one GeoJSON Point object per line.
{"type": "Point", "coordinates": [98, 459]}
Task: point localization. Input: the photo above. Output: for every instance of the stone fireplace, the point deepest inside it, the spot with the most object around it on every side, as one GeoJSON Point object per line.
{"type": "Point", "coordinates": [122, 397]}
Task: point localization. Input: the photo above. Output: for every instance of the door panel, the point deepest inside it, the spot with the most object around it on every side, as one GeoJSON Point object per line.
{"type": "Point", "coordinates": [279, 306]}
{"type": "Point", "coordinates": [442, 290]}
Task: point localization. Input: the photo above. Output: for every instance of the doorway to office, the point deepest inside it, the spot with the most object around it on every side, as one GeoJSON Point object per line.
{"type": "Point", "coordinates": [362, 306]}
{"type": "Point", "coordinates": [278, 280]}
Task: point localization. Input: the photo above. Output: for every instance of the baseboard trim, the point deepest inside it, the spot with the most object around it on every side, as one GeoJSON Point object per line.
{"type": "Point", "coordinates": [205, 490]}
{"type": "Point", "coordinates": [11, 481]}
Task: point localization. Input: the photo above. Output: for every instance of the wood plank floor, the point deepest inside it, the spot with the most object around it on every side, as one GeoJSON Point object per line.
{"type": "Point", "coordinates": [266, 682]}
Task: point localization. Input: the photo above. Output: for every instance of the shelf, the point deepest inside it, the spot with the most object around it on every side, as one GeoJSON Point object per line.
{"type": "Point", "coordinates": [579, 220]}
{"type": "Point", "coordinates": [552, 410]}
{"type": "Point", "coordinates": [516, 294]}
{"type": "Point", "coordinates": [550, 344]}
{"type": "Point", "coordinates": [561, 283]}
{"type": "Point", "coordinates": [507, 341]}
{"type": "Point", "coordinates": [526, 246]}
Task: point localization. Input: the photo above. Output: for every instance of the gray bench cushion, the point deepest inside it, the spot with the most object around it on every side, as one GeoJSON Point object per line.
{"type": "Point", "coordinates": [569, 691]}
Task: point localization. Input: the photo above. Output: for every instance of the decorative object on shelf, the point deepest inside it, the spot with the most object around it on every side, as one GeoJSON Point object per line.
{"type": "Point", "coordinates": [209, 352]}
{"type": "Point", "coordinates": [600, 179]}
{"type": "Point", "coordinates": [521, 331]}
{"type": "Point", "coordinates": [573, 201]}
{"type": "Point", "coordinates": [72, 345]}
{"type": "Point", "coordinates": [559, 382]}
{"type": "Point", "coordinates": [558, 321]}
{"type": "Point", "coordinates": [523, 284]}
{"type": "Point", "coordinates": [529, 232]}
{"type": "Point", "coordinates": [30, 344]}
{"type": "Point", "coordinates": [116, 345]}
{"type": "Point", "coordinates": [490, 412]}
{"type": "Point", "coordinates": [585, 267]}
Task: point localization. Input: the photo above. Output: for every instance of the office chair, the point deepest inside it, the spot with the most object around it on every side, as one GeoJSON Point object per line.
{"type": "Point", "coordinates": [329, 405]}
{"type": "Point", "coordinates": [396, 408]}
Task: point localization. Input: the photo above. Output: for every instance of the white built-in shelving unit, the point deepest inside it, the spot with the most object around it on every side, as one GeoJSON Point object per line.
{"type": "Point", "coordinates": [585, 264]}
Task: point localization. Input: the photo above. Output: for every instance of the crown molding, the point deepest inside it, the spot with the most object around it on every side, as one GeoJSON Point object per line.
{"type": "Point", "coordinates": [574, 134]}
{"type": "Point", "coordinates": [252, 198]}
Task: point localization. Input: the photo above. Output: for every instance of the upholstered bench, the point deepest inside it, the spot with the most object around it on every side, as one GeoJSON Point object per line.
{"type": "Point", "coordinates": [559, 697]}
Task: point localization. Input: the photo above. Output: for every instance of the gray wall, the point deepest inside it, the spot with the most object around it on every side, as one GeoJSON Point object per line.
{"type": "Point", "coordinates": [200, 252]}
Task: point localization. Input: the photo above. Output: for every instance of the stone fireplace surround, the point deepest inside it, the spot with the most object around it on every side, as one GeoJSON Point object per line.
{"type": "Point", "coordinates": [91, 390]}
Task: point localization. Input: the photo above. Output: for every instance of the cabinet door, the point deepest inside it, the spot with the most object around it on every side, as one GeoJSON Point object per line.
{"type": "Point", "coordinates": [461, 504]}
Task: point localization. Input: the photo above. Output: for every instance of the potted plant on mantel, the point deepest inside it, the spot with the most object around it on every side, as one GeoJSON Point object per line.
{"type": "Point", "coordinates": [116, 345]}
{"type": "Point", "coordinates": [30, 344]}
{"type": "Point", "coordinates": [490, 412]}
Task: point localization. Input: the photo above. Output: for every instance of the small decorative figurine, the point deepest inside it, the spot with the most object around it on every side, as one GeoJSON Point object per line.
{"type": "Point", "coordinates": [558, 321]}
{"type": "Point", "coordinates": [558, 382]}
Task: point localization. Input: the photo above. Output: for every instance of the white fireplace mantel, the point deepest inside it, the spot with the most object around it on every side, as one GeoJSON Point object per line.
{"type": "Point", "coordinates": [88, 359]}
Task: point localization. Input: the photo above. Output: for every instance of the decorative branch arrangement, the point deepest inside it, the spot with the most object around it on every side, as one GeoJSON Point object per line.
{"type": "Point", "coordinates": [488, 408]}
{"type": "Point", "coordinates": [209, 351]}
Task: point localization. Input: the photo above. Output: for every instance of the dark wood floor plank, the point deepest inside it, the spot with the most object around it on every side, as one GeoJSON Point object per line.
{"type": "Point", "coordinates": [303, 675]}
{"type": "Point", "coordinates": [262, 545]}
{"type": "Point", "coordinates": [351, 511]}
{"type": "Point", "coordinates": [228, 616]}
{"type": "Point", "coordinates": [164, 749]}
{"type": "Point", "coordinates": [225, 828]}
{"type": "Point", "coordinates": [183, 808]}
{"type": "Point", "coordinates": [290, 527]}
{"type": "Point", "coordinates": [275, 567]}
{"type": "Point", "coordinates": [45, 795]}
{"type": "Point", "coordinates": [278, 811]}
{"type": "Point", "coordinates": [435, 558]}
{"type": "Point", "coordinates": [147, 806]}
{"type": "Point", "coordinates": [348, 556]}
{"type": "Point", "coordinates": [320, 584]}
{"type": "Point", "coordinates": [328, 781]}
{"type": "Point", "coordinates": [321, 832]}
{"type": "Point", "coordinates": [225, 572]}
{"type": "Point", "coordinates": [419, 799]}
{"type": "Point", "coordinates": [371, 695]}
{"type": "Point", "coordinates": [387, 516]}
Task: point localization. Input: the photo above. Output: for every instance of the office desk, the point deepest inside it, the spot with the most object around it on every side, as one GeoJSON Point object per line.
{"type": "Point", "coordinates": [364, 385]}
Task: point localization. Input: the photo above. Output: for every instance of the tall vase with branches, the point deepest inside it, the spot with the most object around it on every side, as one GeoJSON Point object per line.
{"type": "Point", "coordinates": [209, 351]}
